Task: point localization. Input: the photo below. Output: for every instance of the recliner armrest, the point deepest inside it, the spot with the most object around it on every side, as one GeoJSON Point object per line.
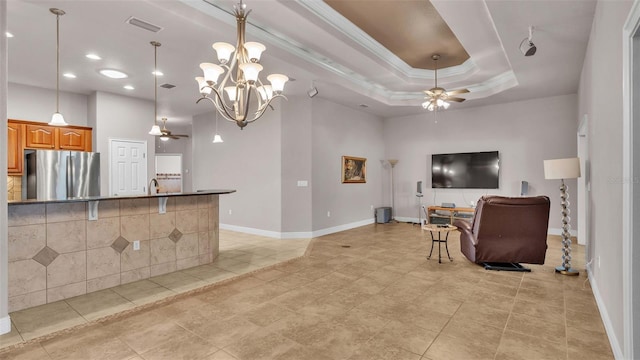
{"type": "Point", "coordinates": [465, 228]}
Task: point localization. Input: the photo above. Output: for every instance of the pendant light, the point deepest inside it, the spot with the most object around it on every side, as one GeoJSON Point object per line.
{"type": "Point", "coordinates": [155, 129]}
{"type": "Point", "coordinates": [57, 119]}
{"type": "Point", "coordinates": [217, 138]}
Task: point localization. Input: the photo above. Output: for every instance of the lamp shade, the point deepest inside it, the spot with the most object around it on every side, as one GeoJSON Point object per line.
{"type": "Point", "coordinates": [562, 168]}
{"type": "Point", "coordinates": [155, 130]}
{"type": "Point", "coordinates": [217, 139]}
{"type": "Point", "coordinates": [250, 71]}
{"type": "Point", "coordinates": [277, 82]}
{"type": "Point", "coordinates": [57, 120]}
{"type": "Point", "coordinates": [211, 72]}
{"type": "Point", "coordinates": [254, 50]}
{"type": "Point", "coordinates": [224, 51]}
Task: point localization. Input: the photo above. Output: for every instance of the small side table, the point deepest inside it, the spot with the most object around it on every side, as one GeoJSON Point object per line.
{"type": "Point", "coordinates": [433, 228]}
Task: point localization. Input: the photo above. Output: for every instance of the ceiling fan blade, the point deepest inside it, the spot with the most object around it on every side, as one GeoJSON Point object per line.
{"type": "Point", "coordinates": [181, 135]}
{"type": "Point", "coordinates": [174, 137]}
{"type": "Point", "coordinates": [457, 91]}
{"type": "Point", "coordinates": [456, 99]}
{"type": "Point", "coordinates": [429, 93]}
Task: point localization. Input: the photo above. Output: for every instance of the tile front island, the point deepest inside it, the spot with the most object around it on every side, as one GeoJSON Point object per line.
{"type": "Point", "coordinates": [64, 248]}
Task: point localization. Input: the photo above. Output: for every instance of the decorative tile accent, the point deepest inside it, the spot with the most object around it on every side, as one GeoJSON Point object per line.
{"type": "Point", "coordinates": [175, 235]}
{"type": "Point", "coordinates": [120, 244]}
{"type": "Point", "coordinates": [46, 256]}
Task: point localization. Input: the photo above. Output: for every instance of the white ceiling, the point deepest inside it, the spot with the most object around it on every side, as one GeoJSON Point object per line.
{"type": "Point", "coordinates": [306, 40]}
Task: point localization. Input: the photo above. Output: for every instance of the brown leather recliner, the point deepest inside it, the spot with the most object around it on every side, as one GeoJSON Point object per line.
{"type": "Point", "coordinates": [506, 230]}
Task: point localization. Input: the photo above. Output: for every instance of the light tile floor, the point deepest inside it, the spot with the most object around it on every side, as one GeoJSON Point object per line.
{"type": "Point", "coordinates": [239, 254]}
{"type": "Point", "coordinates": [378, 298]}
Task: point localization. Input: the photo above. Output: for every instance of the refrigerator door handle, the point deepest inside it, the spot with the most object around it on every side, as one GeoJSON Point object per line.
{"type": "Point", "coordinates": [69, 176]}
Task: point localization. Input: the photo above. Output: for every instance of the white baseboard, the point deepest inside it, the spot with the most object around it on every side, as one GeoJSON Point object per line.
{"type": "Point", "coordinates": [606, 320]}
{"type": "Point", "coordinates": [407, 219]}
{"type": "Point", "coordinates": [344, 227]}
{"type": "Point", "coordinates": [5, 325]}
{"type": "Point", "coordinates": [267, 233]}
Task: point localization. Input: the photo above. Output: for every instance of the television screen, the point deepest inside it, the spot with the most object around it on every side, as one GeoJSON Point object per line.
{"type": "Point", "coordinates": [478, 170]}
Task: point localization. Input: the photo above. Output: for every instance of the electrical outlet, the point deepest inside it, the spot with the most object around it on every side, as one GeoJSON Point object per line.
{"type": "Point", "coordinates": [328, 213]}
{"type": "Point", "coordinates": [136, 245]}
{"type": "Point", "coordinates": [230, 212]}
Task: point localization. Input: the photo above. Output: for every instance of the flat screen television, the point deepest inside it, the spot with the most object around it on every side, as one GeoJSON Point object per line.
{"type": "Point", "coordinates": [477, 170]}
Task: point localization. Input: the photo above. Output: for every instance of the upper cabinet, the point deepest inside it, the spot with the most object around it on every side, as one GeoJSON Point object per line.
{"type": "Point", "coordinates": [14, 152]}
{"type": "Point", "coordinates": [40, 137]}
{"type": "Point", "coordinates": [32, 135]}
{"type": "Point", "coordinates": [74, 139]}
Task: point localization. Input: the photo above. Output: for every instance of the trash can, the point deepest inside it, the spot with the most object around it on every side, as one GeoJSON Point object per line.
{"type": "Point", "coordinates": [383, 215]}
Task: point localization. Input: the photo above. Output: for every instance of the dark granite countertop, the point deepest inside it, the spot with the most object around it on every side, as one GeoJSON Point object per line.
{"type": "Point", "coordinates": [98, 198]}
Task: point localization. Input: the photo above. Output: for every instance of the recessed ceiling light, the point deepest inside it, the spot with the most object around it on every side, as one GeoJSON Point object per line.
{"type": "Point", "coordinates": [157, 73]}
{"type": "Point", "coordinates": [9, 35]}
{"type": "Point", "coordinates": [69, 75]}
{"type": "Point", "coordinates": [93, 57]}
{"type": "Point", "coordinates": [113, 74]}
{"type": "Point", "coordinates": [128, 87]}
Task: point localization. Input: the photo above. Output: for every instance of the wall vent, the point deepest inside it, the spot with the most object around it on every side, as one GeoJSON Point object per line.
{"type": "Point", "coordinates": [143, 24]}
{"type": "Point", "coordinates": [167, 86]}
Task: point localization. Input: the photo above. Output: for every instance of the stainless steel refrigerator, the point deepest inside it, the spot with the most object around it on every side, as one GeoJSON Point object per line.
{"type": "Point", "coordinates": [56, 175]}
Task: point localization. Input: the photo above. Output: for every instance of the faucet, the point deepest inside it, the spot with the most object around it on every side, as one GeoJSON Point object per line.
{"type": "Point", "coordinates": [155, 184]}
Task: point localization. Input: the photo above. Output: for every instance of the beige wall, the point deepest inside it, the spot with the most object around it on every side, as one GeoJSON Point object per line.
{"type": "Point", "coordinates": [603, 70]}
{"type": "Point", "coordinates": [525, 133]}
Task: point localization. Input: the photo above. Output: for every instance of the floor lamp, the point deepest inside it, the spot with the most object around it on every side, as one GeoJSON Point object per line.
{"type": "Point", "coordinates": [393, 205]}
{"type": "Point", "coordinates": [564, 169]}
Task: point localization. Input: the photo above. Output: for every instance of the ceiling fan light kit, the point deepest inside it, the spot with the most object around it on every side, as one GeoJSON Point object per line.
{"type": "Point", "coordinates": [438, 98]}
{"type": "Point", "coordinates": [243, 61]}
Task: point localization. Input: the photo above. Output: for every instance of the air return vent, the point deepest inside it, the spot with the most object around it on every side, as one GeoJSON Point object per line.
{"type": "Point", "coordinates": [167, 86]}
{"type": "Point", "coordinates": [143, 24]}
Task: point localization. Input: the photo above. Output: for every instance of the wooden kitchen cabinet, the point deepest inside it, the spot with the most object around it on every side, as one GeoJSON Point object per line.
{"type": "Point", "coordinates": [74, 139]}
{"type": "Point", "coordinates": [23, 135]}
{"type": "Point", "coordinates": [40, 137]}
{"type": "Point", "coordinates": [14, 151]}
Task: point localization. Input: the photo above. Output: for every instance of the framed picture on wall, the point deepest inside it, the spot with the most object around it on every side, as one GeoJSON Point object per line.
{"type": "Point", "coordinates": [354, 169]}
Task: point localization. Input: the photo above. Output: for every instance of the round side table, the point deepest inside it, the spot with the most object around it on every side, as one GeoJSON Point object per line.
{"type": "Point", "coordinates": [446, 229]}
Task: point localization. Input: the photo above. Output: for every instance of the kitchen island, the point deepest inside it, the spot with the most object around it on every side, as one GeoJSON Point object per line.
{"type": "Point", "coordinates": [64, 248]}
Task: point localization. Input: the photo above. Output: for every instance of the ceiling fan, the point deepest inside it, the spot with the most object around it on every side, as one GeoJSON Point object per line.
{"type": "Point", "coordinates": [166, 134]}
{"type": "Point", "coordinates": [438, 98]}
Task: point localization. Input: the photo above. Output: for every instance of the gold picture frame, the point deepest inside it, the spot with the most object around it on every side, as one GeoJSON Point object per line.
{"type": "Point", "coordinates": [354, 170]}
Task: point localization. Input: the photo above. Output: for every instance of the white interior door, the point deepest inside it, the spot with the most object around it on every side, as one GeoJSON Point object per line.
{"type": "Point", "coordinates": [127, 167]}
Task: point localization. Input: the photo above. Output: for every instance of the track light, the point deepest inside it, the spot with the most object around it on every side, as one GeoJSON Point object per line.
{"type": "Point", "coordinates": [526, 46]}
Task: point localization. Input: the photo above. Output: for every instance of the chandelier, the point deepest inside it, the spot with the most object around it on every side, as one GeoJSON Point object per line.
{"type": "Point", "coordinates": [247, 97]}
{"type": "Point", "coordinates": [438, 98]}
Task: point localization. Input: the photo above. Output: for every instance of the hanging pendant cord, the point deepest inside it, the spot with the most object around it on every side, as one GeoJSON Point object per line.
{"type": "Point", "coordinates": [155, 82]}
{"type": "Point", "coordinates": [58, 63]}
